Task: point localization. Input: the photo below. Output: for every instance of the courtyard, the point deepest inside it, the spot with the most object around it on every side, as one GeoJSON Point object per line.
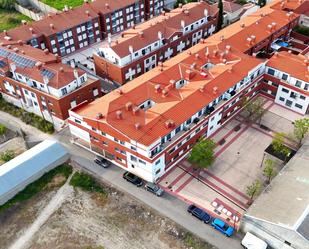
{"type": "Point", "coordinates": [221, 189]}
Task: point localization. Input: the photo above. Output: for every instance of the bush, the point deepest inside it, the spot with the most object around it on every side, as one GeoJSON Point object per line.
{"type": "Point", "coordinates": [27, 117]}
{"type": "Point", "coordinates": [38, 185]}
{"type": "Point", "coordinates": [7, 4]}
{"type": "Point", "coordinates": [86, 182]}
{"type": "Point", "coordinates": [302, 30]}
{"type": "Point", "coordinates": [7, 155]}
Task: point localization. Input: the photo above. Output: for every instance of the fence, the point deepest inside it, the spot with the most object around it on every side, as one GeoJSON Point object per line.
{"type": "Point", "coordinates": [28, 12]}
{"type": "Point", "coordinates": [44, 8]}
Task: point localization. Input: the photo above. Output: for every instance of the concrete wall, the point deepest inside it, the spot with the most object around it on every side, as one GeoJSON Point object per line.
{"type": "Point", "coordinates": [38, 5]}
{"type": "Point", "coordinates": [27, 12]}
{"type": "Point", "coordinates": [274, 235]}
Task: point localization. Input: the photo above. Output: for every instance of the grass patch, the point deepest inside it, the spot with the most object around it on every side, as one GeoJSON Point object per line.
{"type": "Point", "coordinates": [37, 186]}
{"type": "Point", "coordinates": [59, 4]}
{"type": "Point", "coordinates": [196, 243]}
{"type": "Point", "coordinates": [27, 117]}
{"type": "Point", "coordinates": [86, 182]}
{"type": "Point", "coordinates": [10, 19]}
{"type": "Point", "coordinates": [6, 156]}
{"type": "Point", "coordinates": [302, 30]}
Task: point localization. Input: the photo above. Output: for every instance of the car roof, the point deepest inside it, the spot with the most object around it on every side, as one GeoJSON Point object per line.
{"type": "Point", "coordinates": [219, 222]}
{"type": "Point", "coordinates": [253, 242]}
{"type": "Point", "coordinates": [151, 184]}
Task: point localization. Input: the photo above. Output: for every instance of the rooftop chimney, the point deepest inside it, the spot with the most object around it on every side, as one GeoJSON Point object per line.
{"type": "Point", "coordinates": [202, 88]}
{"type": "Point", "coordinates": [99, 115]}
{"type": "Point", "coordinates": [215, 90]}
{"type": "Point", "coordinates": [164, 92]}
{"type": "Point", "coordinates": [160, 36]}
{"type": "Point", "coordinates": [46, 51]}
{"type": "Point", "coordinates": [119, 114]}
{"type": "Point", "coordinates": [131, 49]}
{"type": "Point", "coordinates": [119, 90]}
{"type": "Point", "coordinates": [169, 124]}
{"type": "Point", "coordinates": [15, 50]}
{"type": "Point", "coordinates": [61, 69]}
{"type": "Point", "coordinates": [137, 126]}
{"type": "Point", "coordinates": [182, 24]}
{"type": "Point", "coordinates": [129, 106]}
{"type": "Point", "coordinates": [20, 43]}
{"type": "Point", "coordinates": [87, 12]}
{"type": "Point", "coordinates": [107, 6]}
{"type": "Point", "coordinates": [24, 22]}
{"type": "Point", "coordinates": [51, 26]}
{"type": "Point", "coordinates": [135, 110]}
{"type": "Point", "coordinates": [141, 33]}
{"type": "Point", "coordinates": [39, 65]}
{"type": "Point", "coordinates": [158, 88]}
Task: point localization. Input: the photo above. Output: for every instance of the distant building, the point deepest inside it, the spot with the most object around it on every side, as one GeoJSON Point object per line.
{"type": "Point", "coordinates": [280, 215]}
{"type": "Point", "coordinates": [151, 123]}
{"type": "Point", "coordinates": [24, 169]}
{"type": "Point", "coordinates": [141, 48]}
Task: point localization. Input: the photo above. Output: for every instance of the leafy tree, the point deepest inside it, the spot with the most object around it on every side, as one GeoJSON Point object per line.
{"type": "Point", "coordinates": [254, 109]}
{"type": "Point", "coordinates": [278, 145]}
{"type": "Point", "coordinates": [254, 189]}
{"type": "Point", "coordinates": [220, 16]}
{"type": "Point", "coordinates": [7, 4]}
{"type": "Point", "coordinates": [269, 171]}
{"type": "Point", "coordinates": [3, 130]}
{"type": "Point", "coordinates": [202, 154]}
{"type": "Point", "coordinates": [7, 155]}
{"type": "Point", "coordinates": [262, 3]}
{"type": "Point", "coordinates": [301, 128]}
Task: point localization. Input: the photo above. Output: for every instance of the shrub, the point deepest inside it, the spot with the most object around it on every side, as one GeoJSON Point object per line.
{"type": "Point", "coordinates": [7, 155]}
{"type": "Point", "coordinates": [27, 117]}
{"type": "Point", "coordinates": [7, 4]}
{"type": "Point", "coordinates": [86, 182]}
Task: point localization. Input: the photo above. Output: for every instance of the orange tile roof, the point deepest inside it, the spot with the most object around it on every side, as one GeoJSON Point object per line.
{"type": "Point", "coordinates": [167, 23]}
{"type": "Point", "coordinates": [231, 65]}
{"type": "Point", "coordinates": [297, 66]}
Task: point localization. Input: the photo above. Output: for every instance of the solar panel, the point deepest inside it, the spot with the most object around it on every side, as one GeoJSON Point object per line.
{"type": "Point", "coordinates": [3, 52]}
{"type": "Point", "coordinates": [2, 64]}
{"type": "Point", "coordinates": [21, 61]}
{"type": "Point", "coordinates": [47, 73]}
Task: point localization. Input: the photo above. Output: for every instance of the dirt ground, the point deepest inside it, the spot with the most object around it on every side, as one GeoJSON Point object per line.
{"type": "Point", "coordinates": [93, 221]}
{"type": "Point", "coordinates": [16, 144]}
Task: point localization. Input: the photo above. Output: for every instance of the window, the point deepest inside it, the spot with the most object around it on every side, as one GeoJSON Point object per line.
{"type": "Point", "coordinates": [177, 129]}
{"type": "Point", "coordinates": [121, 142]}
{"type": "Point", "coordinates": [172, 150]}
{"type": "Point", "coordinates": [306, 86]}
{"type": "Point", "coordinates": [103, 133]}
{"type": "Point", "coordinates": [284, 76]}
{"type": "Point", "coordinates": [105, 143]}
{"type": "Point", "coordinates": [133, 148]}
{"type": "Point", "coordinates": [299, 106]}
{"type": "Point", "coordinates": [293, 95]}
{"type": "Point", "coordinates": [133, 158]}
{"type": "Point", "coordinates": [117, 150]}
{"type": "Point", "coordinates": [298, 83]}
{"type": "Point", "coordinates": [288, 103]}
{"type": "Point", "coordinates": [157, 162]}
{"type": "Point", "coordinates": [158, 171]}
{"type": "Point", "coordinates": [302, 97]}
{"type": "Point", "coordinates": [271, 71]}
{"type": "Point", "coordinates": [197, 130]}
{"type": "Point", "coordinates": [64, 91]}
{"type": "Point", "coordinates": [281, 99]}
{"type": "Point", "coordinates": [141, 161]}
{"type": "Point", "coordinates": [285, 90]}
{"type": "Point", "coordinates": [116, 140]}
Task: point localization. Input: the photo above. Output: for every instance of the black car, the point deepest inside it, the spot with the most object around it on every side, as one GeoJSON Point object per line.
{"type": "Point", "coordinates": [133, 179]}
{"type": "Point", "coordinates": [102, 162]}
{"type": "Point", "coordinates": [199, 213]}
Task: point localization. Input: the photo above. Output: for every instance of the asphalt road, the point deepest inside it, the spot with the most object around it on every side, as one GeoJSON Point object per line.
{"type": "Point", "coordinates": [167, 205]}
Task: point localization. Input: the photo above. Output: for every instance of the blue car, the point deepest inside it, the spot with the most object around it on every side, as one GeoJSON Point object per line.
{"type": "Point", "coordinates": [199, 213]}
{"type": "Point", "coordinates": [222, 227]}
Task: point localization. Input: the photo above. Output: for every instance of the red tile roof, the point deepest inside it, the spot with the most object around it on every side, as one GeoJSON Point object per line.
{"type": "Point", "coordinates": [168, 24]}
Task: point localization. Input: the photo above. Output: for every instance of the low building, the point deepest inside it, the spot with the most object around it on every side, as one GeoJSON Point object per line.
{"type": "Point", "coordinates": [141, 48]}
{"type": "Point", "coordinates": [280, 215]}
{"type": "Point", "coordinates": [231, 12]}
{"type": "Point", "coordinates": [151, 123]}
{"type": "Point", "coordinates": [24, 169]}
{"type": "Point", "coordinates": [38, 82]}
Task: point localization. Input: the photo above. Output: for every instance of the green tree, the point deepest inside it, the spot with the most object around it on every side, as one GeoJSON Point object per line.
{"type": "Point", "coordinates": [269, 171]}
{"type": "Point", "coordinates": [262, 3]}
{"type": "Point", "coordinates": [254, 189]}
{"type": "Point", "coordinates": [7, 155]}
{"type": "Point", "coordinates": [7, 4]}
{"type": "Point", "coordinates": [254, 109]}
{"type": "Point", "coordinates": [202, 154]}
{"type": "Point", "coordinates": [220, 16]}
{"type": "Point", "coordinates": [301, 128]}
{"type": "Point", "coordinates": [278, 145]}
{"type": "Point", "coordinates": [3, 130]}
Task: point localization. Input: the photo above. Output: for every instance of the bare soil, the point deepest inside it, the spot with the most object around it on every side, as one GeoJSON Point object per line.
{"type": "Point", "coordinates": [95, 221]}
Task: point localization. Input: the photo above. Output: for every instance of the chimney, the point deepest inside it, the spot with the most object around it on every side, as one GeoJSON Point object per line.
{"type": "Point", "coordinates": [57, 57]}
{"type": "Point", "coordinates": [165, 92]}
{"type": "Point", "coordinates": [202, 41]}
{"type": "Point", "coordinates": [189, 74]}
{"type": "Point", "coordinates": [135, 110]}
{"type": "Point", "coordinates": [131, 49]}
{"type": "Point", "coordinates": [129, 106]}
{"type": "Point", "coordinates": [158, 88]}
{"type": "Point", "coordinates": [99, 115]}
{"type": "Point", "coordinates": [46, 51]}
{"type": "Point", "coordinates": [249, 41]}
{"type": "Point", "coordinates": [169, 124]}
{"type": "Point", "coordinates": [202, 89]}
{"type": "Point", "coordinates": [20, 42]}
{"type": "Point", "coordinates": [215, 90]}
{"type": "Point", "coordinates": [119, 90]}
{"type": "Point", "coordinates": [61, 69]}
{"type": "Point", "coordinates": [206, 13]}
{"type": "Point", "coordinates": [75, 73]}
{"type": "Point", "coordinates": [197, 56]}
{"type": "Point", "coordinates": [274, 25]}
{"type": "Point", "coordinates": [119, 114]}
{"type": "Point", "coordinates": [189, 52]}
{"type": "Point", "coordinates": [31, 30]}
{"type": "Point", "coordinates": [160, 36]}
{"type": "Point", "coordinates": [306, 62]}
{"type": "Point", "coordinates": [137, 126]}
{"type": "Point", "coordinates": [173, 83]}
{"type": "Point", "coordinates": [39, 65]}
{"type": "Point", "coordinates": [5, 32]}
{"type": "Point", "coordinates": [180, 5]}
{"type": "Point", "coordinates": [65, 9]}
{"type": "Point", "coordinates": [186, 12]}
{"type": "Point", "coordinates": [87, 12]}
{"type": "Point", "coordinates": [141, 33]}
{"type": "Point", "coordinates": [163, 13]}
{"type": "Point", "coordinates": [222, 38]}
{"type": "Point", "coordinates": [228, 47]}
{"type": "Point", "coordinates": [24, 22]}
{"type": "Point", "coordinates": [242, 25]}
{"type": "Point", "coordinates": [253, 38]}
{"type": "Point", "coordinates": [52, 26]}
{"type": "Point", "coordinates": [182, 24]}
{"type": "Point", "coordinates": [15, 50]}
{"type": "Point", "coordinates": [193, 66]}
{"type": "Point", "coordinates": [107, 6]}
{"type": "Point", "coordinates": [216, 53]}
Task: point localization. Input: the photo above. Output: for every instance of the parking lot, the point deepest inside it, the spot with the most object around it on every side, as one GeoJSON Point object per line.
{"type": "Point", "coordinates": [221, 189]}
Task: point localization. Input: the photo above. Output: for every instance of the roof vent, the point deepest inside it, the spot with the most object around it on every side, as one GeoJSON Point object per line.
{"type": "Point", "coordinates": [61, 69]}
{"type": "Point", "coordinates": [137, 126]}
{"type": "Point", "coordinates": [215, 90]}
{"type": "Point", "coordinates": [197, 56]}
{"type": "Point", "coordinates": [189, 74]}
{"type": "Point", "coordinates": [202, 88]}
{"type": "Point", "coordinates": [99, 115]}
{"type": "Point", "coordinates": [87, 12]}
{"type": "Point", "coordinates": [228, 47]}
{"type": "Point", "coordinates": [107, 5]}
{"type": "Point", "coordinates": [135, 110]}
{"type": "Point", "coordinates": [193, 66]}
{"type": "Point", "coordinates": [15, 50]}
{"type": "Point", "coordinates": [129, 106]}
{"type": "Point", "coordinates": [51, 26]}
{"type": "Point", "coordinates": [119, 90]}
{"type": "Point", "coordinates": [158, 88]}
{"type": "Point", "coordinates": [242, 25]}
{"type": "Point", "coordinates": [141, 33]}
{"type": "Point", "coordinates": [173, 83]}
{"type": "Point", "coordinates": [24, 22]}
{"type": "Point", "coordinates": [182, 24]}
{"type": "Point", "coordinates": [131, 49]}
{"type": "Point", "coordinates": [46, 51]}
{"type": "Point", "coordinates": [119, 114]}
{"type": "Point", "coordinates": [169, 124]}
{"type": "Point", "coordinates": [165, 92]}
{"type": "Point", "coordinates": [39, 65]}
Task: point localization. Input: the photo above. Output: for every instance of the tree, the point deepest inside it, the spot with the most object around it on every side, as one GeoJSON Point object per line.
{"type": "Point", "coordinates": [7, 155]}
{"type": "Point", "coordinates": [202, 154]}
{"type": "Point", "coordinates": [176, 5]}
{"type": "Point", "coordinates": [7, 4]}
{"type": "Point", "coordinates": [254, 189]}
{"type": "Point", "coordinates": [3, 130]}
{"type": "Point", "coordinates": [278, 145]}
{"type": "Point", "coordinates": [220, 16]}
{"type": "Point", "coordinates": [262, 3]}
{"type": "Point", "coordinates": [254, 109]}
{"type": "Point", "coordinates": [269, 171]}
{"type": "Point", "coordinates": [301, 128]}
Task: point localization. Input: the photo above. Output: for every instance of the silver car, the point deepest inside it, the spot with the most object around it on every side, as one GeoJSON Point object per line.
{"type": "Point", "coordinates": [155, 189]}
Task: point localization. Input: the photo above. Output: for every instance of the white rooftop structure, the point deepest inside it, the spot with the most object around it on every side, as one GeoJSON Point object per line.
{"type": "Point", "coordinates": [16, 174]}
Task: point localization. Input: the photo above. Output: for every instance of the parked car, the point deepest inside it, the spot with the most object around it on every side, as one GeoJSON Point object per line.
{"type": "Point", "coordinates": [133, 179]}
{"type": "Point", "coordinates": [250, 241]}
{"type": "Point", "coordinates": [221, 226]}
{"type": "Point", "coordinates": [154, 188]}
{"type": "Point", "coordinates": [199, 213]}
{"type": "Point", "coordinates": [102, 162]}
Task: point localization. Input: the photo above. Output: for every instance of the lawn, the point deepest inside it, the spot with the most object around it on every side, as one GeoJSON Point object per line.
{"type": "Point", "coordinates": [59, 4]}
{"type": "Point", "coordinates": [10, 19]}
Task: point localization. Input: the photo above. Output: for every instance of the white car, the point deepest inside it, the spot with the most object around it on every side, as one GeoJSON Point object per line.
{"type": "Point", "coordinates": [250, 241]}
